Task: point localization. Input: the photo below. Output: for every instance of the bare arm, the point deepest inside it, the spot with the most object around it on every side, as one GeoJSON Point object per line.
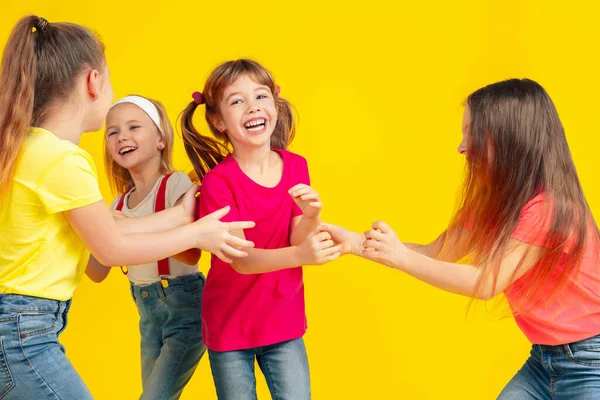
{"type": "Point", "coordinates": [98, 230]}
{"type": "Point", "coordinates": [383, 246]}
{"type": "Point", "coordinates": [96, 271]}
{"type": "Point", "coordinates": [315, 250]}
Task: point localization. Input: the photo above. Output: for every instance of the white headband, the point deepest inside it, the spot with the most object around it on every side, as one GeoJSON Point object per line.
{"type": "Point", "coordinates": [146, 105]}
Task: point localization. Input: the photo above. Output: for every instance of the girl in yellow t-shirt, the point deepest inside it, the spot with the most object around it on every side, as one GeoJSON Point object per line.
{"type": "Point", "coordinates": [54, 77]}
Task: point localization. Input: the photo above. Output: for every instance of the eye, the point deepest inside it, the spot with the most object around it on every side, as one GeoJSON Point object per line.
{"type": "Point", "coordinates": [262, 96]}
{"type": "Point", "coordinates": [133, 127]}
{"type": "Point", "coordinates": [238, 101]}
{"type": "Point", "coordinates": [112, 133]}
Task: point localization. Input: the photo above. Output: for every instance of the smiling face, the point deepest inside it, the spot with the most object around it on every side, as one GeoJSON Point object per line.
{"type": "Point", "coordinates": [247, 113]}
{"type": "Point", "coordinates": [132, 139]}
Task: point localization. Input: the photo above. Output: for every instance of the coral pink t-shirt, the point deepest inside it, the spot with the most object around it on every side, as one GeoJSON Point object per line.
{"type": "Point", "coordinates": [247, 311]}
{"type": "Point", "coordinates": [573, 314]}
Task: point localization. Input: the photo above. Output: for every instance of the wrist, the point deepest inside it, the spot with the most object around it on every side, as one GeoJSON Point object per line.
{"type": "Point", "coordinates": [183, 217]}
{"type": "Point", "coordinates": [356, 244]}
{"type": "Point", "coordinates": [296, 255]}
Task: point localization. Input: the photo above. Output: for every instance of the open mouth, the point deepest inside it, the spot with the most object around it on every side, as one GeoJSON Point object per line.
{"type": "Point", "coordinates": [127, 150]}
{"type": "Point", "coordinates": [255, 125]}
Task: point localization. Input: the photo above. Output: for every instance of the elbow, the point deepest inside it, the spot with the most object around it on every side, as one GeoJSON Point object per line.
{"type": "Point", "coordinates": [239, 267]}
{"type": "Point", "coordinates": [486, 295]}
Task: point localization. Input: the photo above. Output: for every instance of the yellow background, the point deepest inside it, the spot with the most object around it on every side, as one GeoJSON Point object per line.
{"type": "Point", "coordinates": [378, 87]}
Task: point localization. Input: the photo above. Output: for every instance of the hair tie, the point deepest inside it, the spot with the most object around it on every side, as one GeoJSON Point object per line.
{"type": "Point", "coordinates": [277, 90]}
{"type": "Point", "coordinates": [41, 24]}
{"type": "Point", "coordinates": [198, 98]}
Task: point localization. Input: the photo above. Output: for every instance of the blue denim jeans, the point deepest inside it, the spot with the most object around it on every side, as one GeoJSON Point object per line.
{"type": "Point", "coordinates": [570, 371]}
{"type": "Point", "coordinates": [33, 364]}
{"type": "Point", "coordinates": [171, 331]}
{"type": "Point", "coordinates": [285, 366]}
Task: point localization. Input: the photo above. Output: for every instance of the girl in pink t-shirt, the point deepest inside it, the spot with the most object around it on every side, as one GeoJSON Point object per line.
{"type": "Point", "coordinates": [526, 228]}
{"type": "Point", "coordinates": [253, 308]}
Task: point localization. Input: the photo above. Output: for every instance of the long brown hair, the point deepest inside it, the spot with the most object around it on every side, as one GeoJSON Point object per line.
{"type": "Point", "coordinates": [40, 64]}
{"type": "Point", "coordinates": [206, 152]}
{"type": "Point", "coordinates": [518, 150]}
{"type": "Point", "coordinates": [119, 177]}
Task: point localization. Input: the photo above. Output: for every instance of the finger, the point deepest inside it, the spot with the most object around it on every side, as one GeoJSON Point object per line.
{"type": "Point", "coordinates": [316, 204]}
{"type": "Point", "coordinates": [297, 187]}
{"type": "Point", "coordinates": [382, 226]}
{"type": "Point", "coordinates": [301, 192]}
{"type": "Point", "coordinates": [239, 225]}
{"type": "Point", "coordinates": [371, 255]}
{"type": "Point", "coordinates": [377, 235]}
{"type": "Point", "coordinates": [238, 242]}
{"type": "Point", "coordinates": [230, 251]}
{"type": "Point", "coordinates": [310, 196]}
{"type": "Point", "coordinates": [320, 236]}
{"type": "Point", "coordinates": [330, 258]}
{"type": "Point", "coordinates": [373, 244]}
{"type": "Point", "coordinates": [331, 250]}
{"type": "Point", "coordinates": [326, 244]}
{"type": "Point", "coordinates": [219, 213]}
{"type": "Point", "coordinates": [223, 257]}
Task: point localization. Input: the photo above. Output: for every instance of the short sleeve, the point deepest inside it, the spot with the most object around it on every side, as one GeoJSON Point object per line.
{"type": "Point", "coordinates": [70, 182]}
{"type": "Point", "coordinates": [115, 202]}
{"type": "Point", "coordinates": [177, 185]}
{"type": "Point", "coordinates": [534, 223]}
{"type": "Point", "coordinates": [301, 175]}
{"type": "Point", "coordinates": [216, 193]}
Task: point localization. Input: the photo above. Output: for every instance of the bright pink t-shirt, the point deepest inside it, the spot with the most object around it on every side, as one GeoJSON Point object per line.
{"type": "Point", "coordinates": [573, 314]}
{"type": "Point", "coordinates": [247, 311]}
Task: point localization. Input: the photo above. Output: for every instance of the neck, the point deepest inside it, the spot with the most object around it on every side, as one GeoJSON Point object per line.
{"type": "Point", "coordinates": [145, 176]}
{"type": "Point", "coordinates": [253, 158]}
{"type": "Point", "coordinates": [65, 122]}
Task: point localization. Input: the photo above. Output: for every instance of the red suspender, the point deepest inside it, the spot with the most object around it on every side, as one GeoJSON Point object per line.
{"type": "Point", "coordinates": [161, 199]}
{"type": "Point", "coordinates": [159, 205]}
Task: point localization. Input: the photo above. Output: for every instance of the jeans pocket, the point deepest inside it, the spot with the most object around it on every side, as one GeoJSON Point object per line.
{"type": "Point", "coordinates": [6, 380]}
{"type": "Point", "coordinates": [35, 324]}
{"type": "Point", "coordinates": [589, 356]}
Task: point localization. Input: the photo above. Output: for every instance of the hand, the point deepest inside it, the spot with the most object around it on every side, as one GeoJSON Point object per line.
{"type": "Point", "coordinates": [215, 236]}
{"type": "Point", "coordinates": [350, 242]}
{"type": "Point", "coordinates": [383, 246]}
{"type": "Point", "coordinates": [188, 204]}
{"type": "Point", "coordinates": [317, 249]}
{"type": "Point", "coordinates": [307, 199]}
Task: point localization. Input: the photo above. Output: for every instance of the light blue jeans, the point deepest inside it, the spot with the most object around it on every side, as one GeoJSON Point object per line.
{"type": "Point", "coordinates": [171, 331]}
{"type": "Point", "coordinates": [570, 371]}
{"type": "Point", "coordinates": [285, 366]}
{"type": "Point", "coordinates": [33, 364]}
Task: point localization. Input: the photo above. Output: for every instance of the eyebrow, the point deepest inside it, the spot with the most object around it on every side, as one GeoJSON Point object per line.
{"type": "Point", "coordinates": [262, 87]}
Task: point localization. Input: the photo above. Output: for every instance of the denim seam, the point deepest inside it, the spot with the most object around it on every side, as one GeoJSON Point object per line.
{"type": "Point", "coordinates": [6, 369]}
{"type": "Point", "coordinates": [275, 393]}
{"type": "Point", "coordinates": [29, 361]}
{"type": "Point", "coordinates": [581, 362]}
{"type": "Point", "coordinates": [25, 335]}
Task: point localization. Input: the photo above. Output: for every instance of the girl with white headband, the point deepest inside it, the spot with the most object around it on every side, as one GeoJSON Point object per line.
{"type": "Point", "coordinates": [139, 143]}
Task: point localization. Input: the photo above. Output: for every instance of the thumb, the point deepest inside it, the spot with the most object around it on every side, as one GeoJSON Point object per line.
{"type": "Point", "coordinates": [220, 213]}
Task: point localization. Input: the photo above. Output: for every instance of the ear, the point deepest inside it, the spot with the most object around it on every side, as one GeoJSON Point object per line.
{"type": "Point", "coordinates": [93, 84]}
{"type": "Point", "coordinates": [217, 121]}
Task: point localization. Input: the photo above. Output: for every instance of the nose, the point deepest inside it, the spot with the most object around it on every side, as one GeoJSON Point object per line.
{"type": "Point", "coordinates": [462, 148]}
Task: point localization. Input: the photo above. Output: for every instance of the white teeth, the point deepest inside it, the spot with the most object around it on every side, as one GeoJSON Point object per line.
{"type": "Point", "coordinates": [125, 150]}
{"type": "Point", "coordinates": [254, 123]}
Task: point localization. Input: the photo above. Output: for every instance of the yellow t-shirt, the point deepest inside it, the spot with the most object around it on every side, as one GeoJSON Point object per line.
{"type": "Point", "coordinates": [40, 254]}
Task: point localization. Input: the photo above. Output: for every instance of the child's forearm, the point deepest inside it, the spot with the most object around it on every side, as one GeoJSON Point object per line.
{"type": "Point", "coordinates": [166, 220]}
{"type": "Point", "coordinates": [96, 271]}
{"type": "Point", "coordinates": [305, 227]}
{"type": "Point", "coordinates": [189, 257]}
{"type": "Point", "coordinates": [260, 261]}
